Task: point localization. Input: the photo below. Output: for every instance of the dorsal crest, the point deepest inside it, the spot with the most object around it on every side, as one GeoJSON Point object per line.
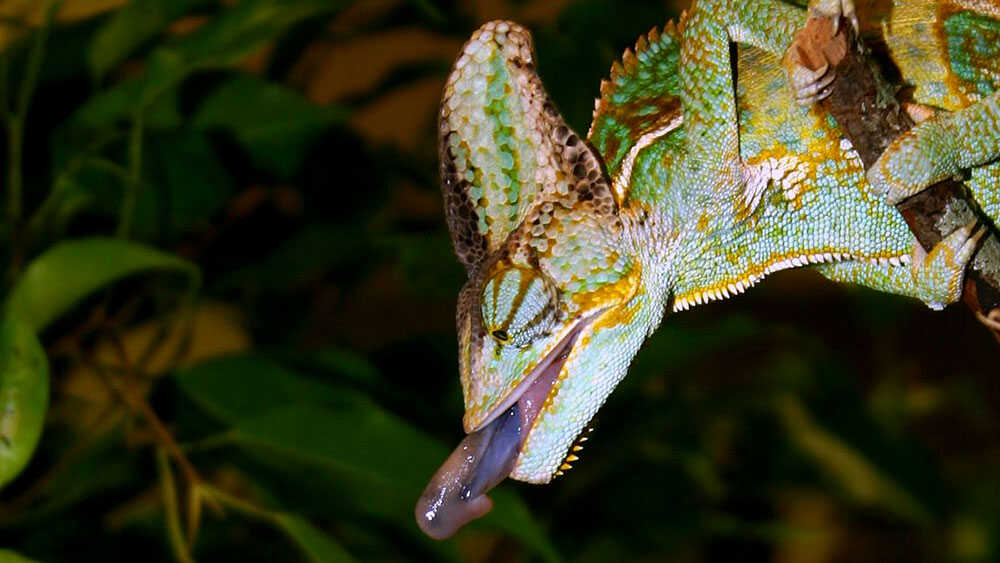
{"type": "Point", "coordinates": [639, 103]}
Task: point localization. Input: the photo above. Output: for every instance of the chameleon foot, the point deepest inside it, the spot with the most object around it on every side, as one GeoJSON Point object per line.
{"type": "Point", "coordinates": [906, 167]}
{"type": "Point", "coordinates": [811, 86]}
{"type": "Point", "coordinates": [919, 113]}
{"type": "Point", "coordinates": [938, 275]}
{"type": "Point", "coordinates": [940, 147]}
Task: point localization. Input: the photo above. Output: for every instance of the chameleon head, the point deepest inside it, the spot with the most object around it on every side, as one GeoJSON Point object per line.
{"type": "Point", "coordinates": [554, 308]}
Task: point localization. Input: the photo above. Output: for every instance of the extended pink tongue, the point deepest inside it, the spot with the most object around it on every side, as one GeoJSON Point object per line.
{"type": "Point", "coordinates": [456, 494]}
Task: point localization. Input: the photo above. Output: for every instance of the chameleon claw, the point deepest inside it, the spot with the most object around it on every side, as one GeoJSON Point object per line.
{"type": "Point", "coordinates": [940, 272]}
{"type": "Point", "coordinates": [851, 16]}
{"type": "Point", "coordinates": [836, 25]}
{"type": "Point", "coordinates": [835, 9]}
{"type": "Point", "coordinates": [811, 85]}
{"type": "Point", "coordinates": [973, 242]}
{"type": "Point", "coordinates": [919, 113]}
{"type": "Point", "coordinates": [820, 96]}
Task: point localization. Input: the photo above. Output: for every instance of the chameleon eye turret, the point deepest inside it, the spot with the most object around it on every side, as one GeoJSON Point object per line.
{"type": "Point", "coordinates": [519, 306]}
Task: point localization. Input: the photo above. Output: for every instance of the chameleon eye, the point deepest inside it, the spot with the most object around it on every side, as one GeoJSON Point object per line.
{"type": "Point", "coordinates": [518, 305]}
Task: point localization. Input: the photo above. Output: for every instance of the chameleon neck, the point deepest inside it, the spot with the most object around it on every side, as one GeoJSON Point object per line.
{"type": "Point", "coordinates": [667, 222]}
{"type": "Point", "coordinates": [654, 237]}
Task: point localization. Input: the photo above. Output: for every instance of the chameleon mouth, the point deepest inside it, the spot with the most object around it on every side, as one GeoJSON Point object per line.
{"type": "Point", "coordinates": [456, 494]}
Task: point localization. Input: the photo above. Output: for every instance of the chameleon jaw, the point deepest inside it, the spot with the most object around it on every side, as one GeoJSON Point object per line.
{"type": "Point", "coordinates": [456, 494]}
{"type": "Point", "coordinates": [532, 388]}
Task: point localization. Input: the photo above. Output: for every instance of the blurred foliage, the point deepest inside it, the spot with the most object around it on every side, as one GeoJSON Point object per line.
{"type": "Point", "coordinates": [222, 222]}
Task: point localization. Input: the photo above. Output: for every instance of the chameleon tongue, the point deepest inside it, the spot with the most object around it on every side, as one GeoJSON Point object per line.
{"type": "Point", "coordinates": [456, 494]}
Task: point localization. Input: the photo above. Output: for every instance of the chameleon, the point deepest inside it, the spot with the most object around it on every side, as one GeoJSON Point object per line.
{"type": "Point", "coordinates": [700, 175]}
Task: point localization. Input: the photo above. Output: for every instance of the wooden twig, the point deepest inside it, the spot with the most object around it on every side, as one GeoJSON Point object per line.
{"type": "Point", "coordinates": [865, 107]}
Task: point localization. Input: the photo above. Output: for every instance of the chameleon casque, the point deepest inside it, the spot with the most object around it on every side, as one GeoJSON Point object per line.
{"type": "Point", "coordinates": [688, 188]}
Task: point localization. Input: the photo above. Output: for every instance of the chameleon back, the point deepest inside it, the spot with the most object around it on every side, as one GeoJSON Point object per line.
{"type": "Point", "coordinates": [808, 204]}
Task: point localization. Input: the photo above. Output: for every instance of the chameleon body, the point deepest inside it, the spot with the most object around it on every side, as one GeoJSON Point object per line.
{"type": "Point", "coordinates": [688, 188]}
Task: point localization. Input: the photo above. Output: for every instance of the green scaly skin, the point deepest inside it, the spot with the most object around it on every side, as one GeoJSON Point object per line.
{"type": "Point", "coordinates": [684, 193]}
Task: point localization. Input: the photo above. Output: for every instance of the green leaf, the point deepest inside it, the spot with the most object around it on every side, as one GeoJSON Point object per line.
{"type": "Point", "coordinates": [174, 199]}
{"type": "Point", "coordinates": [358, 438]}
{"type": "Point", "coordinates": [66, 273]}
{"type": "Point", "coordinates": [416, 252]}
{"type": "Point", "coordinates": [66, 51]}
{"type": "Point", "coordinates": [674, 345]}
{"type": "Point", "coordinates": [119, 103]}
{"type": "Point", "coordinates": [129, 28]}
{"type": "Point", "coordinates": [8, 556]}
{"type": "Point", "coordinates": [238, 387]}
{"type": "Point", "coordinates": [511, 515]}
{"type": "Point", "coordinates": [235, 33]}
{"type": "Point", "coordinates": [273, 123]}
{"type": "Point", "coordinates": [317, 546]}
{"type": "Point", "coordinates": [307, 255]}
{"type": "Point", "coordinates": [390, 459]}
{"type": "Point", "coordinates": [345, 363]}
{"type": "Point", "coordinates": [24, 395]}
{"type": "Point", "coordinates": [95, 185]}
{"type": "Point", "coordinates": [178, 198]}
{"type": "Point", "coordinates": [242, 28]}
{"type": "Point", "coordinates": [292, 420]}
{"type": "Point", "coordinates": [224, 40]}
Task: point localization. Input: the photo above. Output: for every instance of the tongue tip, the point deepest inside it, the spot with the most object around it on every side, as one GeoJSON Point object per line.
{"type": "Point", "coordinates": [441, 522]}
{"type": "Point", "coordinates": [456, 494]}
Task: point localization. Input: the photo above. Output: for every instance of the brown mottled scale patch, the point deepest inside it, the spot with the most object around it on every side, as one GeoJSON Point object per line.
{"type": "Point", "coordinates": [470, 246]}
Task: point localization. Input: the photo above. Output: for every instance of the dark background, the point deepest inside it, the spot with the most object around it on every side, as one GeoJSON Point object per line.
{"type": "Point", "coordinates": [294, 409]}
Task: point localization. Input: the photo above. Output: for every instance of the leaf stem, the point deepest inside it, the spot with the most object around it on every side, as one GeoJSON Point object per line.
{"type": "Point", "coordinates": [4, 86]}
{"type": "Point", "coordinates": [237, 503]}
{"type": "Point", "coordinates": [169, 490]}
{"type": "Point", "coordinates": [63, 182]}
{"type": "Point", "coordinates": [134, 172]}
{"type": "Point", "coordinates": [212, 442]}
{"type": "Point", "coordinates": [15, 139]}
{"type": "Point", "coordinates": [140, 405]}
{"type": "Point", "coordinates": [15, 133]}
